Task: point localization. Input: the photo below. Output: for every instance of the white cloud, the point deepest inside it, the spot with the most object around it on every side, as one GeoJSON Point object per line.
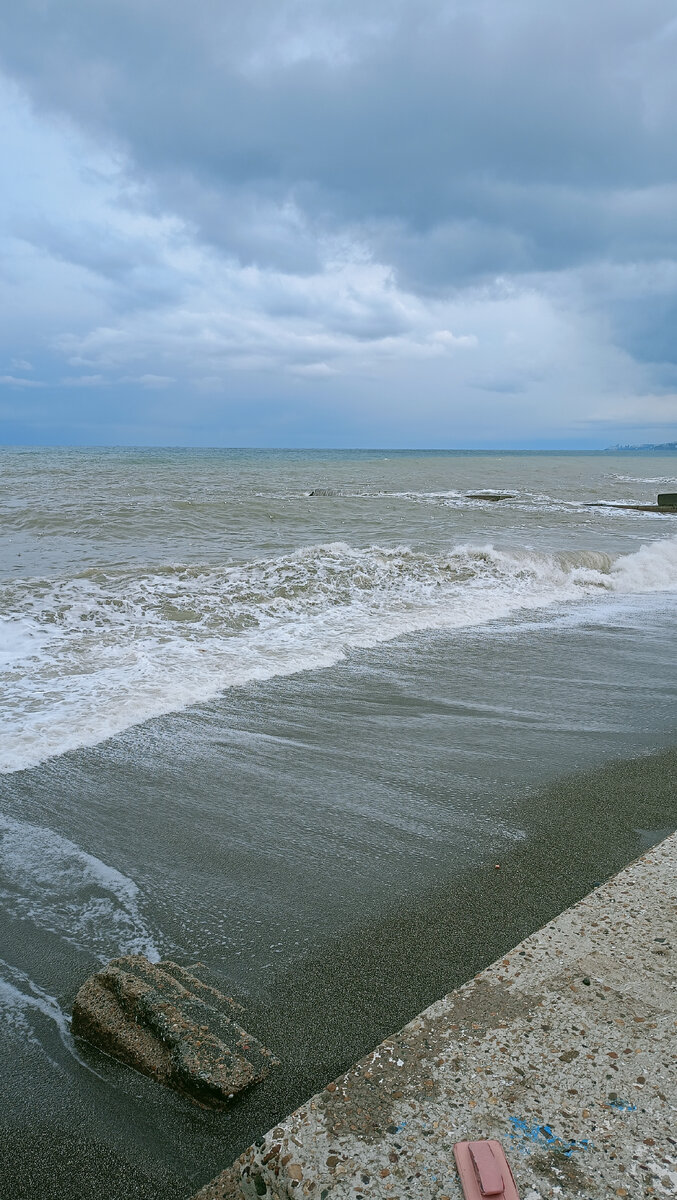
{"type": "Point", "coordinates": [446, 338]}
{"type": "Point", "coordinates": [19, 382]}
{"type": "Point", "coordinates": [78, 381]}
{"type": "Point", "coordinates": [154, 381]}
{"type": "Point", "coordinates": [316, 370]}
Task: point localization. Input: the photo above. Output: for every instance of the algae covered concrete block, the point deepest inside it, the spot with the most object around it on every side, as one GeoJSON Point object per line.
{"type": "Point", "coordinates": [166, 1022]}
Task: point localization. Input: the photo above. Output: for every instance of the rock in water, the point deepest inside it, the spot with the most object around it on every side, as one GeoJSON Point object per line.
{"type": "Point", "coordinates": [165, 1022]}
{"type": "Point", "coordinates": [490, 496]}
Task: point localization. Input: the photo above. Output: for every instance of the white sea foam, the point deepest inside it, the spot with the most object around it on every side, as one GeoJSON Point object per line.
{"type": "Point", "coordinates": [652, 568]}
{"type": "Point", "coordinates": [91, 655]}
{"type": "Point", "coordinates": [19, 641]}
{"type": "Point", "coordinates": [48, 880]}
{"type": "Point", "coordinates": [517, 499]}
{"type": "Point", "coordinates": [25, 1006]}
{"type": "Point", "coordinates": [21, 999]}
{"type": "Point", "coordinates": [658, 479]}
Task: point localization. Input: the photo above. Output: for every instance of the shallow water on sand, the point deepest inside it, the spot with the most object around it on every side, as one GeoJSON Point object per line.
{"type": "Point", "coordinates": [358, 703]}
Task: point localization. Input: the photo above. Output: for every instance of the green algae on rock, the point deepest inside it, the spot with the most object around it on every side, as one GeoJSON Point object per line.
{"type": "Point", "coordinates": [164, 1021]}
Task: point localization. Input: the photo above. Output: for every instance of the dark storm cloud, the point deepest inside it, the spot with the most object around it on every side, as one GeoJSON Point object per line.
{"type": "Point", "coordinates": [302, 188]}
{"type": "Point", "coordinates": [476, 138]}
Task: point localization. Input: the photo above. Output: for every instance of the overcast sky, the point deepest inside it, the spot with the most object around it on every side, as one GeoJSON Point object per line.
{"type": "Point", "coordinates": [302, 222]}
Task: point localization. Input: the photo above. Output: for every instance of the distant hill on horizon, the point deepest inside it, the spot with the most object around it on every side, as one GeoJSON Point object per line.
{"type": "Point", "coordinates": [646, 446]}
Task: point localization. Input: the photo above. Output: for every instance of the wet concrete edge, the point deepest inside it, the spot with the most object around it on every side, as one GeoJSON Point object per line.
{"type": "Point", "coordinates": [563, 1050]}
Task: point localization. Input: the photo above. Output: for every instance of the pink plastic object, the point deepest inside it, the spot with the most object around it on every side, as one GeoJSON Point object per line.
{"type": "Point", "coordinates": [484, 1171]}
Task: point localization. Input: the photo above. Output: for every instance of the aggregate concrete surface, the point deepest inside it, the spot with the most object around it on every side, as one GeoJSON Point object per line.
{"type": "Point", "coordinates": [564, 1051]}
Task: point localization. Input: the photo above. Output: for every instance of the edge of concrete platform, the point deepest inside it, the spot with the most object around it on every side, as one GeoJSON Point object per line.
{"type": "Point", "coordinates": [563, 1050]}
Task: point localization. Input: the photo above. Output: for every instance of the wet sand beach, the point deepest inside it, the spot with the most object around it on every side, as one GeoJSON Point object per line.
{"type": "Point", "coordinates": [331, 1007]}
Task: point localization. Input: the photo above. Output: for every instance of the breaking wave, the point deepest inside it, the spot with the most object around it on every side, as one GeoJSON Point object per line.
{"type": "Point", "coordinates": [86, 657]}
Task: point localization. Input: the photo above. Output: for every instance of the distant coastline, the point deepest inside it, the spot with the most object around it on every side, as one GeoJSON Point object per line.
{"type": "Point", "coordinates": [660, 448]}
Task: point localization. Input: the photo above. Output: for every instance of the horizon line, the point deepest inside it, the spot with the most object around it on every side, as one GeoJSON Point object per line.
{"type": "Point", "coordinates": [670, 447]}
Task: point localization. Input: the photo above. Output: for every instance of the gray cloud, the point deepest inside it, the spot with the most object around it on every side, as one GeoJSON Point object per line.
{"type": "Point", "coordinates": [296, 187]}
{"type": "Point", "coordinates": [429, 113]}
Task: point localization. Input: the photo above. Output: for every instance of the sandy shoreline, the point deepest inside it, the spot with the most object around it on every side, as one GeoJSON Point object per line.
{"type": "Point", "coordinates": [327, 1012]}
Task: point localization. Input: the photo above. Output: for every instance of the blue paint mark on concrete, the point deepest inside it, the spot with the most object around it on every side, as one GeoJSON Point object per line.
{"type": "Point", "coordinates": [523, 1133]}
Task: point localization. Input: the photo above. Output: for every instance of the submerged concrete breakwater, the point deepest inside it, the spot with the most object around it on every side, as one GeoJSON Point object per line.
{"type": "Point", "coordinates": [165, 1021]}
{"type": "Point", "coordinates": [563, 1050]}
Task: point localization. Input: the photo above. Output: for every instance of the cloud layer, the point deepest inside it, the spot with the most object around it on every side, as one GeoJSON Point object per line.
{"type": "Point", "coordinates": [421, 222]}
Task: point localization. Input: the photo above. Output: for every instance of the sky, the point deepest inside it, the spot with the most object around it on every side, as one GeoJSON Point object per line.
{"type": "Point", "coordinates": [425, 223]}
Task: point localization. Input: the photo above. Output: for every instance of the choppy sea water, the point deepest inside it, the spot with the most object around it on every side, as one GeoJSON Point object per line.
{"type": "Point", "coordinates": [251, 699]}
{"type": "Point", "coordinates": [136, 583]}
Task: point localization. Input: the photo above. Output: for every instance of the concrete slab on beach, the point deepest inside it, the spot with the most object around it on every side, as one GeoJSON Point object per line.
{"type": "Point", "coordinates": [564, 1050]}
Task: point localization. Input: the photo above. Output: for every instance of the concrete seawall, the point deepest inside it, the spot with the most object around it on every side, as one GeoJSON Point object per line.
{"type": "Point", "coordinates": [564, 1050]}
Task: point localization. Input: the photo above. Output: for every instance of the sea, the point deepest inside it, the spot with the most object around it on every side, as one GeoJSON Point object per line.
{"type": "Point", "coordinates": [293, 714]}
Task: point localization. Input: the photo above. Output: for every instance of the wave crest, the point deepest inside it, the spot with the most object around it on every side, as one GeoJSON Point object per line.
{"type": "Point", "coordinates": [86, 657]}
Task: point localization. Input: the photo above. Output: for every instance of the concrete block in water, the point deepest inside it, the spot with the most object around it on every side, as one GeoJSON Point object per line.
{"type": "Point", "coordinates": [667, 500]}
{"type": "Point", "coordinates": [495, 496]}
{"type": "Point", "coordinates": [164, 1021]}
